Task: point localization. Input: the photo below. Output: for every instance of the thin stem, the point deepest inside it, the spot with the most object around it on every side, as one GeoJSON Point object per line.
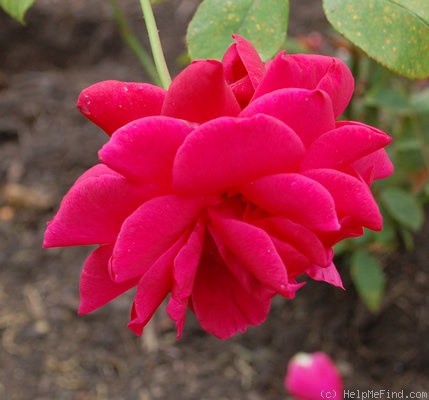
{"type": "Point", "coordinates": [155, 43]}
{"type": "Point", "coordinates": [134, 44]}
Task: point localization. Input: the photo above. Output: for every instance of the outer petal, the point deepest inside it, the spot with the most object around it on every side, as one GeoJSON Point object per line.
{"type": "Point", "coordinates": [96, 171]}
{"type": "Point", "coordinates": [112, 104]}
{"type": "Point", "coordinates": [200, 93]}
{"type": "Point", "coordinates": [350, 228]}
{"type": "Point", "coordinates": [96, 285]}
{"type": "Point", "coordinates": [374, 166]}
{"type": "Point", "coordinates": [327, 274]}
{"type": "Point", "coordinates": [296, 108]}
{"type": "Point", "coordinates": [94, 209]}
{"type": "Point", "coordinates": [255, 250]}
{"type": "Point", "coordinates": [222, 306]}
{"type": "Point", "coordinates": [144, 150]}
{"type": "Point", "coordinates": [297, 197]}
{"type": "Point", "coordinates": [230, 151]}
{"type": "Point", "coordinates": [185, 269]}
{"type": "Point", "coordinates": [310, 72]}
{"type": "Point", "coordinates": [150, 231]}
{"type": "Point", "coordinates": [352, 197]}
{"type": "Point", "coordinates": [153, 287]}
{"type": "Point", "coordinates": [343, 146]}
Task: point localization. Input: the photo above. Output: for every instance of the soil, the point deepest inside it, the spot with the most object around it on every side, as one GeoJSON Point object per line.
{"type": "Point", "coordinates": [47, 352]}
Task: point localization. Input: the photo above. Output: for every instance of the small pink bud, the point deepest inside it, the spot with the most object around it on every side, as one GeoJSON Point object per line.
{"type": "Point", "coordinates": [313, 377]}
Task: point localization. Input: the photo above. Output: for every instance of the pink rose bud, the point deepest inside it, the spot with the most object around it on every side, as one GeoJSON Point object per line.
{"type": "Point", "coordinates": [313, 377]}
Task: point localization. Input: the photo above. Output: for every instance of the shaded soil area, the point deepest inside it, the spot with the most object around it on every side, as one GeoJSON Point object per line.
{"type": "Point", "coordinates": [48, 352]}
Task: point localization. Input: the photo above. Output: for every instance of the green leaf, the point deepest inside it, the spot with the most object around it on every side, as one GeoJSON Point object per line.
{"type": "Point", "coordinates": [393, 32]}
{"type": "Point", "coordinates": [403, 207]}
{"type": "Point", "coordinates": [16, 8]}
{"type": "Point", "coordinates": [368, 279]}
{"type": "Point", "coordinates": [264, 23]}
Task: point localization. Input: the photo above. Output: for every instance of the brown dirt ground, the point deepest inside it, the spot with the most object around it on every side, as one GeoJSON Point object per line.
{"type": "Point", "coordinates": [48, 352]}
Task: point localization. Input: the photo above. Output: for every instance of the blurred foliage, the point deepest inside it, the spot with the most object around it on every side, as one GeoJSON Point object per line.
{"type": "Point", "coordinates": [368, 278]}
{"type": "Point", "coordinates": [16, 8]}
{"type": "Point", "coordinates": [400, 107]}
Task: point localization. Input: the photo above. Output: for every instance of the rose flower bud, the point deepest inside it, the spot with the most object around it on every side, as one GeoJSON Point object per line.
{"type": "Point", "coordinates": [313, 377]}
{"type": "Point", "coordinates": [221, 191]}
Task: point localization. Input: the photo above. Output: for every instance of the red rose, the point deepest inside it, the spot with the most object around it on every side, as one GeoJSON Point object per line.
{"type": "Point", "coordinates": [223, 189]}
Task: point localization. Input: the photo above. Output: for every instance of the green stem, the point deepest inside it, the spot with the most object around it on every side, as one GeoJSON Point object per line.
{"type": "Point", "coordinates": [155, 43]}
{"type": "Point", "coordinates": [134, 44]}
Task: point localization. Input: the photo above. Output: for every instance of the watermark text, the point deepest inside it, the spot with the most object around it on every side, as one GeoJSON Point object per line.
{"type": "Point", "coordinates": [373, 394]}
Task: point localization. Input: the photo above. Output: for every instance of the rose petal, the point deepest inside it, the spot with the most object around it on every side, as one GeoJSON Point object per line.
{"type": "Point", "coordinates": [144, 150]}
{"type": "Point", "coordinates": [344, 145]}
{"type": "Point", "coordinates": [338, 82]}
{"type": "Point", "coordinates": [352, 197]}
{"type": "Point", "coordinates": [296, 107]}
{"type": "Point", "coordinates": [296, 263]}
{"type": "Point", "coordinates": [298, 236]}
{"type": "Point", "coordinates": [112, 104]}
{"type": "Point", "coordinates": [374, 166]}
{"type": "Point", "coordinates": [233, 66]}
{"type": "Point", "coordinates": [254, 249]}
{"type": "Point", "coordinates": [95, 172]}
{"type": "Point", "coordinates": [94, 209]}
{"type": "Point", "coordinates": [96, 286]}
{"type": "Point", "coordinates": [243, 91]}
{"type": "Point", "coordinates": [236, 76]}
{"type": "Point", "coordinates": [349, 228]}
{"type": "Point", "coordinates": [230, 151]}
{"type": "Point", "coordinates": [326, 274]}
{"type": "Point", "coordinates": [302, 200]}
{"type": "Point", "coordinates": [222, 306]}
{"type": "Point", "coordinates": [150, 231]}
{"type": "Point", "coordinates": [184, 272]}
{"type": "Point", "coordinates": [153, 287]}
{"type": "Point", "coordinates": [310, 72]}
{"type": "Point", "coordinates": [246, 279]}
{"type": "Point", "coordinates": [200, 93]}
{"type": "Point", "coordinates": [243, 69]}
{"type": "Point", "coordinates": [250, 59]}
